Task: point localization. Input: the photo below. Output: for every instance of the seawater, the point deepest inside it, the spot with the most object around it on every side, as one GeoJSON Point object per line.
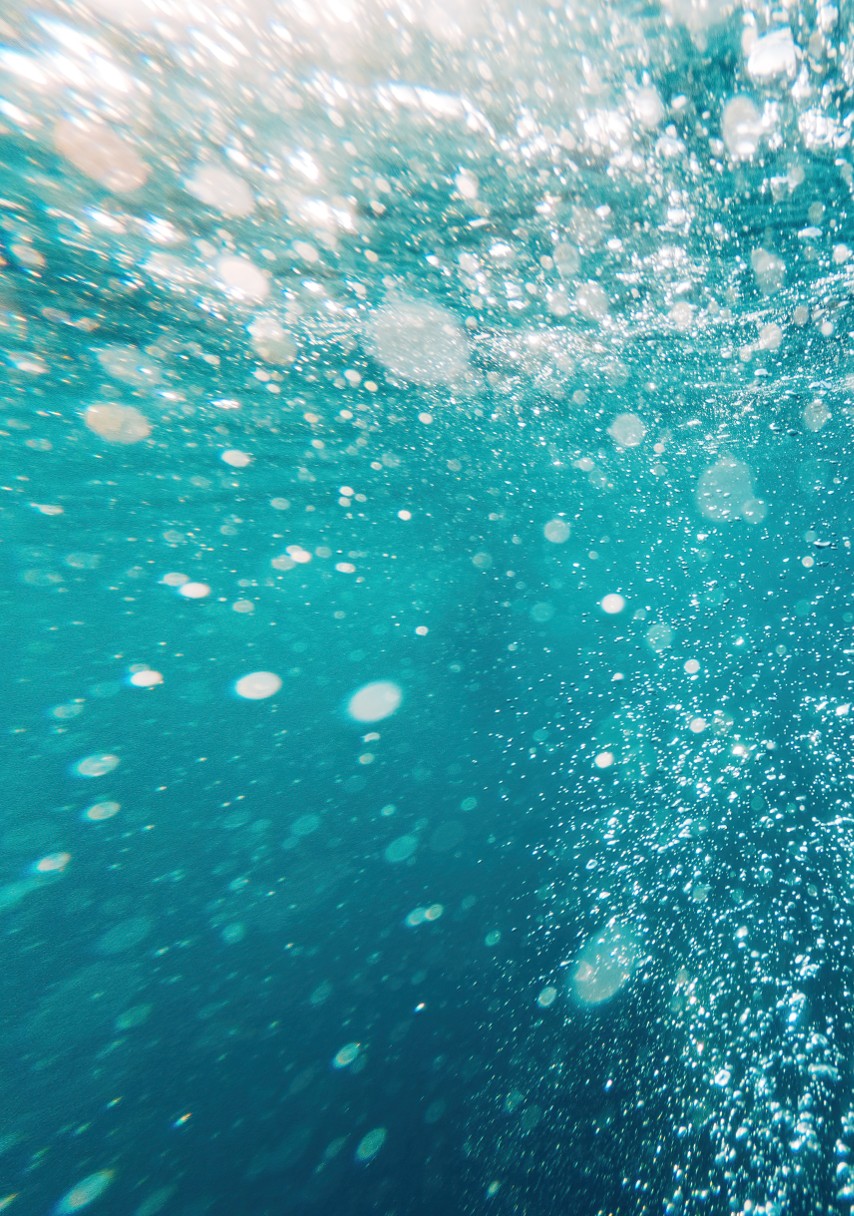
{"type": "Point", "coordinates": [426, 443]}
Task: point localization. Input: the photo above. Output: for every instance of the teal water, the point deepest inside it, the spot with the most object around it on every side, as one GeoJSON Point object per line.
{"type": "Point", "coordinates": [426, 442]}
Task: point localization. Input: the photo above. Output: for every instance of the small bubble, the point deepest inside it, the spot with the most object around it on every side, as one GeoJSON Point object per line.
{"type": "Point", "coordinates": [258, 685]}
{"type": "Point", "coordinates": [96, 765]}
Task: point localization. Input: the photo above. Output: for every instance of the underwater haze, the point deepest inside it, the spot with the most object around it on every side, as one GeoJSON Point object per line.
{"type": "Point", "coordinates": [426, 447]}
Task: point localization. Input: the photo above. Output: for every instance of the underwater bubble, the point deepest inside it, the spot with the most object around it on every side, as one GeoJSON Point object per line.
{"type": "Point", "coordinates": [258, 685]}
{"type": "Point", "coordinates": [125, 935]}
{"type": "Point", "coordinates": [556, 531]}
{"type": "Point", "coordinates": [370, 1145]}
{"type": "Point", "coordinates": [146, 678]}
{"type": "Point", "coordinates": [96, 765]}
{"type": "Point", "coordinates": [401, 848]}
{"type": "Point", "coordinates": [117, 423]}
{"type": "Point", "coordinates": [612, 604]}
{"type": "Point", "coordinates": [242, 280]}
{"type": "Point", "coordinates": [605, 964]}
{"type": "Point", "coordinates": [84, 1192]}
{"type": "Point", "coordinates": [418, 341]}
{"type": "Point", "coordinates": [101, 153]}
{"type": "Point", "coordinates": [627, 430]}
{"type": "Point", "coordinates": [221, 189]}
{"type": "Point", "coordinates": [375, 701]}
{"type": "Point", "coordinates": [346, 1055]}
{"type": "Point", "coordinates": [741, 127]}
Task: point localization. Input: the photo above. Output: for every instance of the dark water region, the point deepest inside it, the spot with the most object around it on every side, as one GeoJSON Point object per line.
{"type": "Point", "coordinates": [427, 608]}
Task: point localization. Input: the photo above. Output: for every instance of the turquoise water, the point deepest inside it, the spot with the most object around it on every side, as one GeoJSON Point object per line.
{"type": "Point", "coordinates": [427, 619]}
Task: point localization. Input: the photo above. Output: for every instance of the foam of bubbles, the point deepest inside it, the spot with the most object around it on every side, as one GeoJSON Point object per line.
{"type": "Point", "coordinates": [375, 701]}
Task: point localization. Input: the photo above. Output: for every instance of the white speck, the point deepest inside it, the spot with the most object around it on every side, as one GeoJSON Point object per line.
{"type": "Point", "coordinates": [258, 685]}
{"type": "Point", "coordinates": [722, 1078]}
{"type": "Point", "coordinates": [236, 458]}
{"type": "Point", "coordinates": [375, 701]}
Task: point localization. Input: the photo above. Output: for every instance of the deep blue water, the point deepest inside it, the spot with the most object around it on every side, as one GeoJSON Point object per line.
{"type": "Point", "coordinates": [481, 376]}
